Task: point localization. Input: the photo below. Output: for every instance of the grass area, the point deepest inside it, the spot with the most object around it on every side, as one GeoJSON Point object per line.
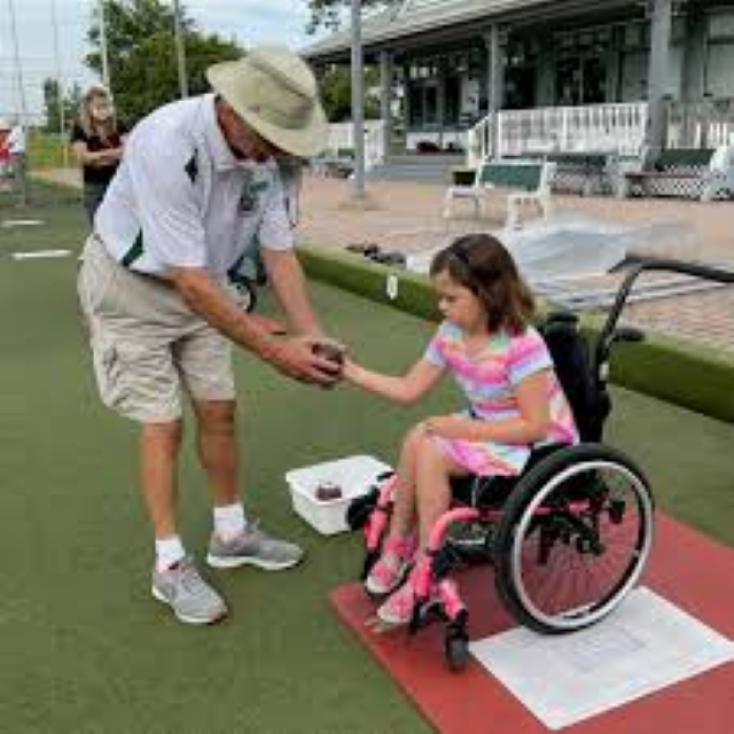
{"type": "Point", "coordinates": [59, 208]}
{"type": "Point", "coordinates": [47, 150]}
{"type": "Point", "coordinates": [85, 648]}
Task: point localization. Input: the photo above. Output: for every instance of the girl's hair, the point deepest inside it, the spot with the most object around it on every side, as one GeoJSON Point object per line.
{"type": "Point", "coordinates": [480, 263]}
{"type": "Point", "coordinates": [90, 126]}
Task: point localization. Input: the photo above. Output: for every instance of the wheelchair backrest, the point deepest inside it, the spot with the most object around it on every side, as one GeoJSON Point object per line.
{"type": "Point", "coordinates": [586, 394]}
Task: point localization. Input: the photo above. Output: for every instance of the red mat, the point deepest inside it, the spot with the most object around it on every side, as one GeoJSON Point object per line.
{"type": "Point", "coordinates": [690, 570]}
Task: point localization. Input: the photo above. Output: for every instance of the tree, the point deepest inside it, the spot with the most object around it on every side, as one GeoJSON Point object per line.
{"type": "Point", "coordinates": [142, 56]}
{"type": "Point", "coordinates": [71, 101]}
{"type": "Point", "coordinates": [336, 93]}
{"type": "Point", "coordinates": [329, 13]}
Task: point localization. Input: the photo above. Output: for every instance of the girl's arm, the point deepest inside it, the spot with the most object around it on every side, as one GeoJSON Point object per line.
{"type": "Point", "coordinates": [531, 426]}
{"type": "Point", "coordinates": [404, 390]}
{"type": "Point", "coordinates": [97, 158]}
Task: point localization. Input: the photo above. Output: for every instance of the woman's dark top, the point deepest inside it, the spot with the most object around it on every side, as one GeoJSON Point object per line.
{"type": "Point", "coordinates": [98, 174]}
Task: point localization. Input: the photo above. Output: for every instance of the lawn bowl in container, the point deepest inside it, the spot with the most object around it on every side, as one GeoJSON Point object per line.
{"type": "Point", "coordinates": [352, 476]}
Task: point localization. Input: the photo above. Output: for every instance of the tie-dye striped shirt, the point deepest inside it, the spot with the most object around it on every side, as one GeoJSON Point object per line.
{"type": "Point", "coordinates": [489, 380]}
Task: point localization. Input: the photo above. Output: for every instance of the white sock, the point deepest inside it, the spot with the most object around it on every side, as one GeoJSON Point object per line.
{"type": "Point", "coordinates": [229, 521]}
{"type": "Point", "coordinates": [168, 552]}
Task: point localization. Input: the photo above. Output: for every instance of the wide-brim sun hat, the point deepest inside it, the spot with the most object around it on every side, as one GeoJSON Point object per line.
{"type": "Point", "coordinates": [274, 91]}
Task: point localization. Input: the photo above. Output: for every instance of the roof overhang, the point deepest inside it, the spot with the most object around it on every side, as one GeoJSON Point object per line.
{"type": "Point", "coordinates": [402, 34]}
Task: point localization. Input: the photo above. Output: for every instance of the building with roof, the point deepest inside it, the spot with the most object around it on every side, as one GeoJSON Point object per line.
{"type": "Point", "coordinates": [659, 72]}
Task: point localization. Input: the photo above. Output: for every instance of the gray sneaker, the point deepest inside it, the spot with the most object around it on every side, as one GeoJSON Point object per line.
{"type": "Point", "coordinates": [255, 547]}
{"type": "Point", "coordinates": [192, 600]}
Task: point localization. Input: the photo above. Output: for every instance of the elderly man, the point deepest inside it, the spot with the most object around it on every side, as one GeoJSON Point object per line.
{"type": "Point", "coordinates": [199, 182]}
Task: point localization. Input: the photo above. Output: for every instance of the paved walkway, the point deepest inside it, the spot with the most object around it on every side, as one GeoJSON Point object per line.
{"type": "Point", "coordinates": [407, 217]}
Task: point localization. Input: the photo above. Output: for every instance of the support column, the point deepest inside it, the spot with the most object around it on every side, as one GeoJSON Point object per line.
{"type": "Point", "coordinates": [693, 74]}
{"type": "Point", "coordinates": [357, 77]}
{"type": "Point", "coordinates": [694, 56]}
{"type": "Point", "coordinates": [386, 74]}
{"type": "Point", "coordinates": [614, 66]}
{"type": "Point", "coordinates": [441, 99]}
{"type": "Point", "coordinates": [495, 69]}
{"type": "Point", "coordinates": [406, 100]}
{"type": "Point", "coordinates": [545, 95]}
{"type": "Point", "coordinates": [661, 14]}
{"type": "Point", "coordinates": [495, 79]}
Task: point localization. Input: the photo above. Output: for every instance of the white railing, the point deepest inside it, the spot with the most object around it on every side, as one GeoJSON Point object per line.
{"type": "Point", "coordinates": [608, 128]}
{"type": "Point", "coordinates": [480, 143]}
{"type": "Point", "coordinates": [341, 139]}
{"type": "Point", "coordinates": [707, 124]}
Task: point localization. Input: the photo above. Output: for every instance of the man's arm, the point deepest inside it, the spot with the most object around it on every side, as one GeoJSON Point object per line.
{"type": "Point", "coordinates": [289, 285]}
{"type": "Point", "coordinates": [291, 357]}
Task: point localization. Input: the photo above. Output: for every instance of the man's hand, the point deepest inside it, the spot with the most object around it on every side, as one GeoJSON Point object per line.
{"type": "Point", "coordinates": [296, 358]}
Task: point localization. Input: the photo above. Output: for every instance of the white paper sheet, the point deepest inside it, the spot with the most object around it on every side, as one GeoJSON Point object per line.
{"type": "Point", "coordinates": [647, 644]}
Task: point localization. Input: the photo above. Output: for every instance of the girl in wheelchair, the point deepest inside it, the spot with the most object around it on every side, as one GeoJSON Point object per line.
{"type": "Point", "coordinates": [503, 367]}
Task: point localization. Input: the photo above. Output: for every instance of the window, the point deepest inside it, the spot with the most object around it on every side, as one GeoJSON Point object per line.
{"type": "Point", "coordinates": [721, 25]}
{"type": "Point", "coordinates": [720, 62]}
{"type": "Point", "coordinates": [431, 104]}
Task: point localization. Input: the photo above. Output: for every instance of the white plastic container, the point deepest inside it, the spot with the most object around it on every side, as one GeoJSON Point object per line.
{"type": "Point", "coordinates": [354, 475]}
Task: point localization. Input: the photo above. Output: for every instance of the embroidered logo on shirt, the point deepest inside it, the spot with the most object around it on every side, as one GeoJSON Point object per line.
{"type": "Point", "coordinates": [249, 199]}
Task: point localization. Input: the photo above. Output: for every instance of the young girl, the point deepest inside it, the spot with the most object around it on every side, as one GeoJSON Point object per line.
{"type": "Point", "coordinates": [504, 369]}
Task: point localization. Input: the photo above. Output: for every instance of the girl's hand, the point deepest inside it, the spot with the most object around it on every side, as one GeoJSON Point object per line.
{"type": "Point", "coordinates": [447, 426]}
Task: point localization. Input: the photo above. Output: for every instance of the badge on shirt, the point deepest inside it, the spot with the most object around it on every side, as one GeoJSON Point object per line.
{"type": "Point", "coordinates": [249, 199]}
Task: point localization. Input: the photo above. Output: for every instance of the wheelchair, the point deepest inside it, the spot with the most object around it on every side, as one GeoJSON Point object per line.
{"type": "Point", "coordinates": [246, 276]}
{"type": "Point", "coordinates": [248, 272]}
{"type": "Point", "coordinates": [568, 538]}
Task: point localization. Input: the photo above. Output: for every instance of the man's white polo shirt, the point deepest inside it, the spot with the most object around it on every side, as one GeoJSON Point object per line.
{"type": "Point", "coordinates": [181, 198]}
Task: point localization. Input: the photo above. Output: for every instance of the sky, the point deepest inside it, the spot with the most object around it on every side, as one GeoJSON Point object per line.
{"type": "Point", "coordinates": [248, 21]}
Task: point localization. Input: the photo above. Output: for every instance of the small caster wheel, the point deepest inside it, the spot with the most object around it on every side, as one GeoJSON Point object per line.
{"type": "Point", "coordinates": [246, 293]}
{"type": "Point", "coordinates": [457, 651]}
{"type": "Point", "coordinates": [359, 510]}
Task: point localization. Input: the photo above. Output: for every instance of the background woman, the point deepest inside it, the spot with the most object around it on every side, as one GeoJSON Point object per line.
{"type": "Point", "coordinates": [97, 141]}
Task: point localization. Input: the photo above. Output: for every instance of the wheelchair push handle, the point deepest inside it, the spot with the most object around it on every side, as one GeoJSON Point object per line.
{"type": "Point", "coordinates": [610, 333]}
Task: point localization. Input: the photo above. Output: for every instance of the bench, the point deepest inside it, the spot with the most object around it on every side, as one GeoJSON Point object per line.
{"type": "Point", "coordinates": [580, 173]}
{"type": "Point", "coordinates": [525, 181]}
{"type": "Point", "coordinates": [698, 173]}
{"type": "Point", "coordinates": [338, 163]}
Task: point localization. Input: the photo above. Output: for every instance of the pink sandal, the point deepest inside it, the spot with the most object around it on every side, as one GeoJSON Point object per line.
{"type": "Point", "coordinates": [399, 607]}
{"type": "Point", "coordinates": [392, 567]}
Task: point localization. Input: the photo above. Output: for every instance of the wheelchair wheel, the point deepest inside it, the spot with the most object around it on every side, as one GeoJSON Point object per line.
{"type": "Point", "coordinates": [573, 538]}
{"type": "Point", "coordinates": [456, 649]}
{"type": "Point", "coordinates": [245, 291]}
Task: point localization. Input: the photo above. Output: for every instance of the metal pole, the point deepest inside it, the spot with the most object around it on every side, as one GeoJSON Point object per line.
{"type": "Point", "coordinates": [386, 77]}
{"type": "Point", "coordinates": [103, 48]}
{"type": "Point", "coordinates": [661, 12]}
{"type": "Point", "coordinates": [357, 100]}
{"type": "Point", "coordinates": [495, 82]}
{"type": "Point", "coordinates": [60, 86]}
{"type": "Point", "coordinates": [183, 81]}
{"type": "Point", "coordinates": [18, 68]}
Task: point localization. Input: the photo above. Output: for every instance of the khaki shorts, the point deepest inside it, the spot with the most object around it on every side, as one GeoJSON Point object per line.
{"type": "Point", "coordinates": [146, 342]}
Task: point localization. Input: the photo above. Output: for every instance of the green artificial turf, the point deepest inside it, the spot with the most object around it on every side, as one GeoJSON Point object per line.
{"type": "Point", "coordinates": [84, 647]}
